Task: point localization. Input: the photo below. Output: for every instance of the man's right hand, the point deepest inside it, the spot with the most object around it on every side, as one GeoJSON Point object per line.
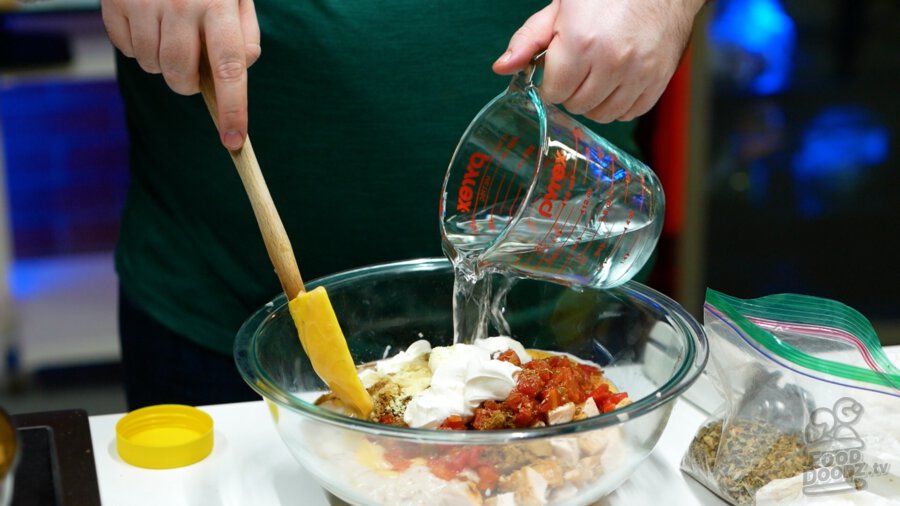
{"type": "Point", "coordinates": [165, 37]}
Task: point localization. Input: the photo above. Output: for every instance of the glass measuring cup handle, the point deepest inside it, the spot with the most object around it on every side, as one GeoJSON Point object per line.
{"type": "Point", "coordinates": [531, 70]}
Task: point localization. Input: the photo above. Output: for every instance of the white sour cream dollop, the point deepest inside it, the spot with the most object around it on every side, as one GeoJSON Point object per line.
{"type": "Point", "coordinates": [463, 376]}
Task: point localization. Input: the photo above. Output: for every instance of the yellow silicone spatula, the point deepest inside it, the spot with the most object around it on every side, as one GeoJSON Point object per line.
{"type": "Point", "coordinates": [317, 325]}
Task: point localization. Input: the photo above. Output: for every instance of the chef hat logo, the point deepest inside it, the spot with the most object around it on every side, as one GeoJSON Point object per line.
{"type": "Point", "coordinates": [831, 429]}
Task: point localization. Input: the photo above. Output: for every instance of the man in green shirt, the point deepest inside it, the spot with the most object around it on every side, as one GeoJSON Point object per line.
{"type": "Point", "coordinates": [355, 108]}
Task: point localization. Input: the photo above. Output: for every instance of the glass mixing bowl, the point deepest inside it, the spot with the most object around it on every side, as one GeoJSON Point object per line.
{"type": "Point", "coordinates": [647, 344]}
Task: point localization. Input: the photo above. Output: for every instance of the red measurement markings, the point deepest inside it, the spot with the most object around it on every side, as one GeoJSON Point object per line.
{"type": "Point", "coordinates": [643, 192]}
{"type": "Point", "coordinates": [546, 206]}
{"type": "Point", "coordinates": [579, 256]}
{"type": "Point", "coordinates": [554, 185]}
{"type": "Point", "coordinates": [491, 225]}
{"type": "Point", "coordinates": [621, 238]}
{"type": "Point", "coordinates": [512, 144]}
{"type": "Point", "coordinates": [525, 156]}
{"type": "Point", "coordinates": [603, 214]}
{"type": "Point", "coordinates": [542, 244]}
{"type": "Point", "coordinates": [577, 134]}
{"type": "Point", "coordinates": [480, 195]}
{"type": "Point", "coordinates": [627, 222]}
{"type": "Point", "coordinates": [630, 213]}
{"type": "Point", "coordinates": [559, 239]}
{"type": "Point", "coordinates": [465, 193]}
{"type": "Point", "coordinates": [587, 164]}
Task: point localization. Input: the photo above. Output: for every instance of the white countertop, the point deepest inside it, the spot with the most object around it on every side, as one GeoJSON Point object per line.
{"type": "Point", "coordinates": [249, 465]}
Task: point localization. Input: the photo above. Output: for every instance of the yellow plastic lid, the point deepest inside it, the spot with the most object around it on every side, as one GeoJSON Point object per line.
{"type": "Point", "coordinates": [164, 436]}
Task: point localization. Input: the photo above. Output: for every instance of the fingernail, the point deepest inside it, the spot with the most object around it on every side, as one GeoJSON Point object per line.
{"type": "Point", "coordinates": [233, 140]}
{"type": "Point", "coordinates": [505, 56]}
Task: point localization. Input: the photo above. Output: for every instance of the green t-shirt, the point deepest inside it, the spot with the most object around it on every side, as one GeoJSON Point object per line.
{"type": "Point", "coordinates": [355, 109]}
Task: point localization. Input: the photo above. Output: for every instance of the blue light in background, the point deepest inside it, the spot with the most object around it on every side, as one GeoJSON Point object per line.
{"type": "Point", "coordinates": [836, 148]}
{"type": "Point", "coordinates": [753, 41]}
{"type": "Point", "coordinates": [841, 139]}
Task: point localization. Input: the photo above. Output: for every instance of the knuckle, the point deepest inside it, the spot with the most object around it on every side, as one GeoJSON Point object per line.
{"type": "Point", "coordinates": [149, 65]}
{"type": "Point", "coordinates": [180, 79]}
{"type": "Point", "coordinates": [230, 70]}
{"type": "Point", "coordinates": [232, 118]}
{"type": "Point", "coordinates": [181, 7]}
{"type": "Point", "coordinates": [601, 115]}
{"type": "Point", "coordinates": [617, 56]}
{"type": "Point", "coordinates": [642, 109]}
{"type": "Point", "coordinates": [253, 52]}
{"type": "Point", "coordinates": [576, 106]}
{"type": "Point", "coordinates": [551, 93]}
{"type": "Point", "coordinates": [582, 42]}
{"type": "Point", "coordinates": [179, 84]}
{"type": "Point", "coordinates": [524, 32]}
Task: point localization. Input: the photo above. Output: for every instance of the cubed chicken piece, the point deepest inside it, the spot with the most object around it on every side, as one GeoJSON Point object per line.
{"type": "Point", "coordinates": [565, 492]}
{"type": "Point", "coordinates": [465, 495]}
{"type": "Point", "coordinates": [540, 448]}
{"type": "Point", "coordinates": [507, 499]}
{"type": "Point", "coordinates": [592, 443]}
{"type": "Point", "coordinates": [586, 469]}
{"type": "Point", "coordinates": [623, 403]}
{"type": "Point", "coordinates": [550, 470]}
{"type": "Point", "coordinates": [577, 476]}
{"type": "Point", "coordinates": [587, 409]}
{"type": "Point", "coordinates": [528, 486]}
{"type": "Point", "coordinates": [561, 414]}
{"type": "Point", "coordinates": [566, 450]}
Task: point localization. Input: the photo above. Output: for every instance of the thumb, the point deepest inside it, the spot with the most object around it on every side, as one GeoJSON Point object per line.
{"type": "Point", "coordinates": [533, 37]}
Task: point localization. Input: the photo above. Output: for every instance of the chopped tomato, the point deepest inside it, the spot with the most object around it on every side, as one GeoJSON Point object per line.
{"type": "Point", "coordinates": [529, 382]}
{"type": "Point", "coordinates": [397, 461]}
{"type": "Point", "coordinates": [588, 370]}
{"type": "Point", "coordinates": [454, 422]}
{"type": "Point", "coordinates": [487, 478]}
{"type": "Point", "coordinates": [550, 401]}
{"type": "Point", "coordinates": [600, 394]}
{"type": "Point", "coordinates": [447, 465]}
{"type": "Point", "coordinates": [541, 386]}
{"type": "Point", "coordinates": [606, 400]}
{"type": "Point", "coordinates": [612, 401]}
{"type": "Point", "coordinates": [442, 470]}
{"type": "Point", "coordinates": [511, 357]}
{"type": "Point", "coordinates": [619, 397]}
{"type": "Point", "coordinates": [524, 408]}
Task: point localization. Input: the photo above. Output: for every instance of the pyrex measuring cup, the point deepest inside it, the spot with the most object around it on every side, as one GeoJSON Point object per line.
{"type": "Point", "coordinates": [532, 191]}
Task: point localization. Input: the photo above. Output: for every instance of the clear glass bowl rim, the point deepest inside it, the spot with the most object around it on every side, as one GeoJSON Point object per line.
{"type": "Point", "coordinates": [692, 362]}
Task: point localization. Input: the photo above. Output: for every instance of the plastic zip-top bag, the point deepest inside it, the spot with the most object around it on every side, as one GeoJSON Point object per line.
{"type": "Point", "coordinates": [812, 405]}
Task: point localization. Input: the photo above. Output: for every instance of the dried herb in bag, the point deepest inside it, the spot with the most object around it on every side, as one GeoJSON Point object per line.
{"type": "Point", "coordinates": [807, 390]}
{"type": "Point", "coordinates": [745, 456]}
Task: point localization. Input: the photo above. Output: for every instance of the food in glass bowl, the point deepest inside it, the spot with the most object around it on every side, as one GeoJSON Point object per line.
{"type": "Point", "coordinates": [491, 384]}
{"type": "Point", "coordinates": [641, 341]}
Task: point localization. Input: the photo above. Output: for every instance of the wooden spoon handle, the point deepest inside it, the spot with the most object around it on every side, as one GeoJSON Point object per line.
{"type": "Point", "coordinates": [274, 235]}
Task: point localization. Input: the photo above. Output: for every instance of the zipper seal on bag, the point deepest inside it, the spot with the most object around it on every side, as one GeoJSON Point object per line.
{"type": "Point", "coordinates": [749, 318]}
